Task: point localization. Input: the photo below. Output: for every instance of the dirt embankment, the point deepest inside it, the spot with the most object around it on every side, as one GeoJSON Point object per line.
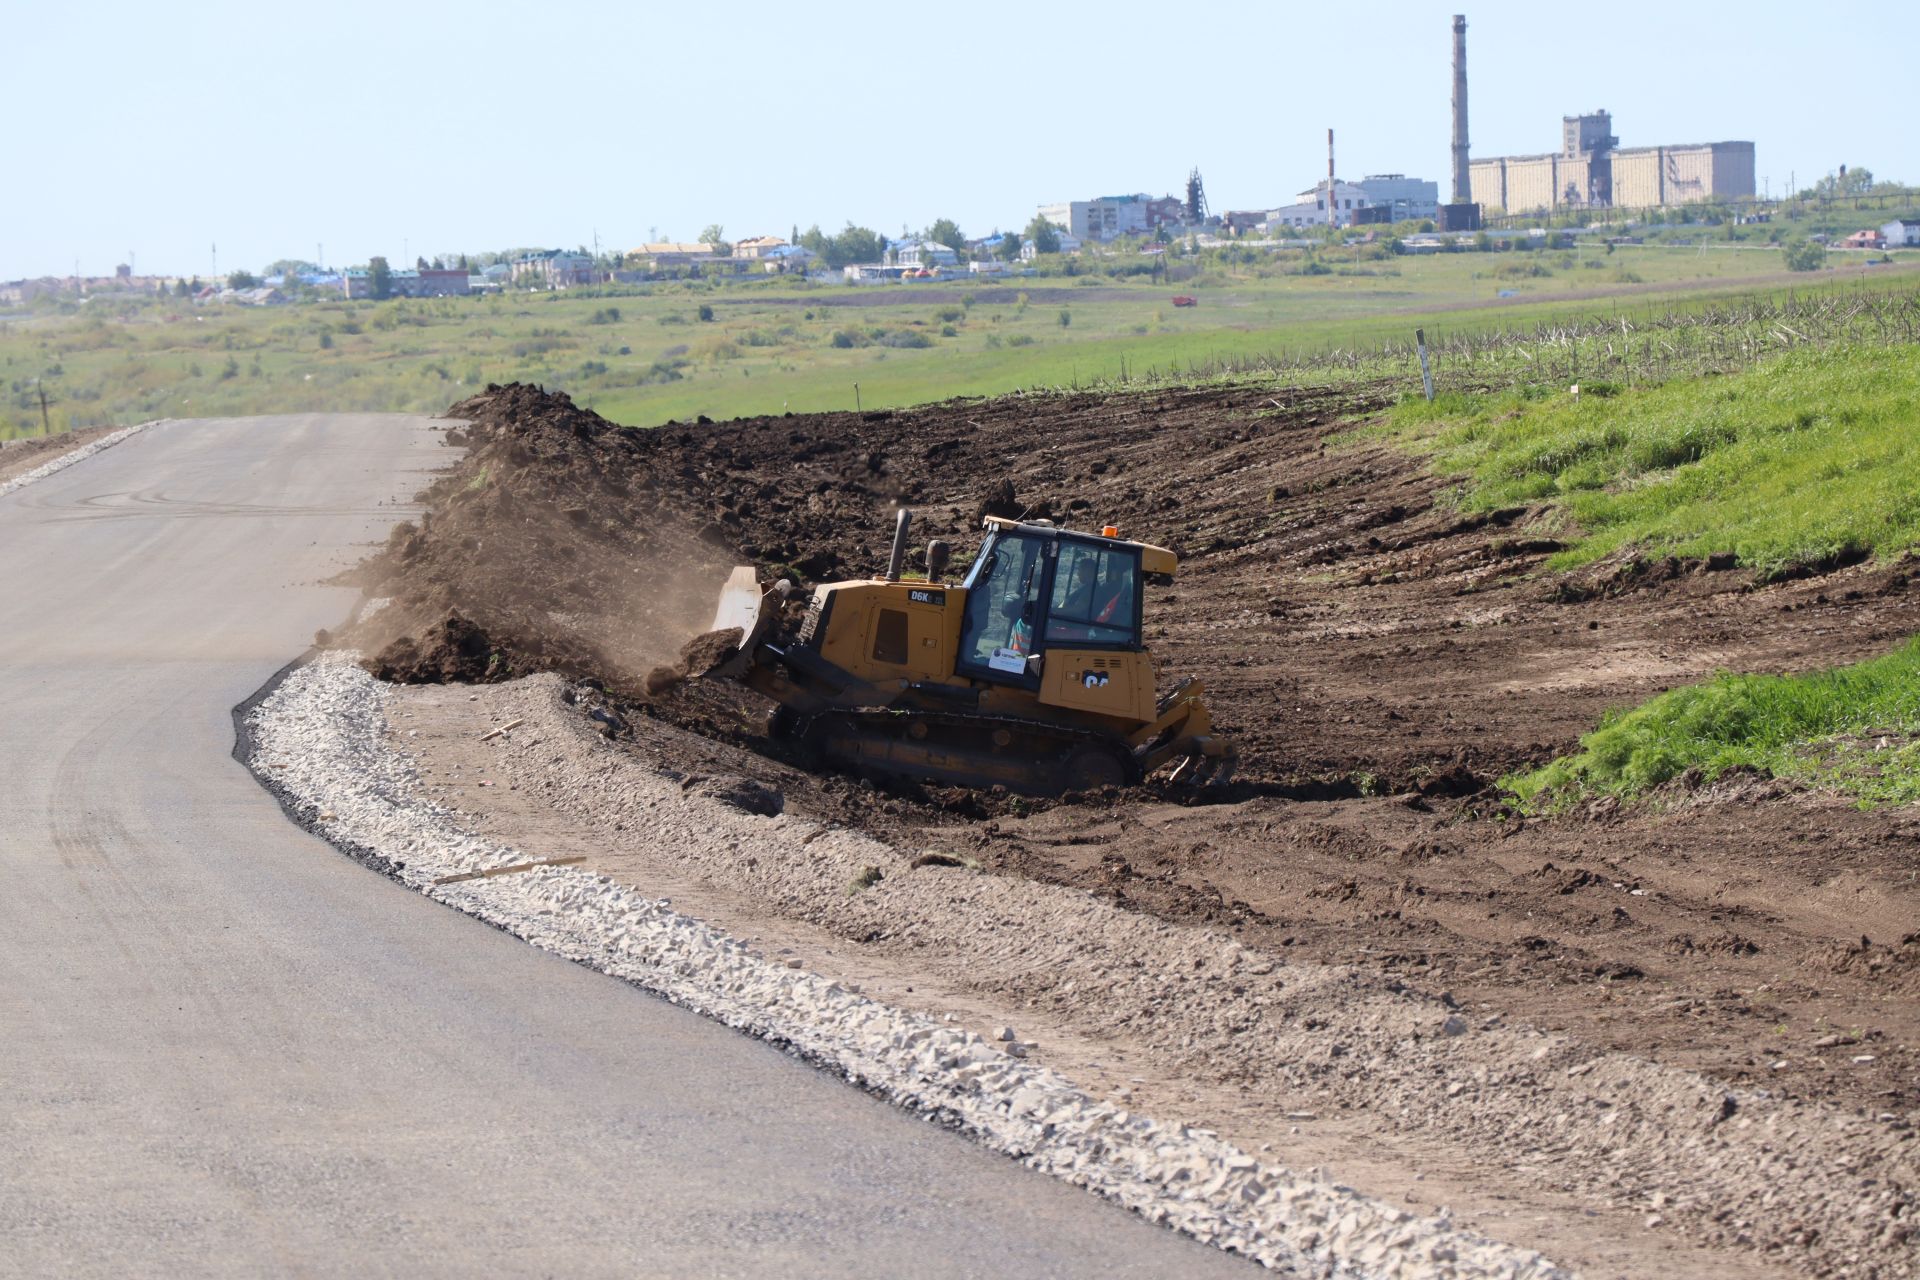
{"type": "Point", "coordinates": [1380, 658]}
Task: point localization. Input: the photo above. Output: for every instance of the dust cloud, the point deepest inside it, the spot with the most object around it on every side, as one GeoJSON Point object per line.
{"type": "Point", "coordinates": [559, 542]}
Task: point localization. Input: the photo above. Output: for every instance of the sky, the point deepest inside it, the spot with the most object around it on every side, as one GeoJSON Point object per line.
{"type": "Point", "coordinates": [158, 132]}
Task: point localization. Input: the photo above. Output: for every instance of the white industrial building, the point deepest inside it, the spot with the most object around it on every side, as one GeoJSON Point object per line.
{"type": "Point", "coordinates": [1406, 199]}
{"type": "Point", "coordinates": [1395, 197]}
{"type": "Point", "coordinates": [1107, 218]}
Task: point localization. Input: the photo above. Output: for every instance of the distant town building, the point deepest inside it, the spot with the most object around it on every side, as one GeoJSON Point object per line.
{"type": "Point", "coordinates": [785, 257]}
{"type": "Point", "coordinates": [1237, 222]}
{"type": "Point", "coordinates": [920, 253]}
{"type": "Point", "coordinates": [429, 282]}
{"type": "Point", "coordinates": [757, 246]}
{"type": "Point", "coordinates": [1069, 243]}
{"type": "Point", "coordinates": [1592, 170]}
{"type": "Point", "coordinates": [1901, 233]}
{"type": "Point", "coordinates": [663, 255]}
{"type": "Point", "coordinates": [1310, 209]}
{"type": "Point", "coordinates": [1405, 199]}
{"type": "Point", "coordinates": [554, 268]}
{"type": "Point", "coordinates": [1110, 217]}
{"type": "Point", "coordinates": [1377, 198]}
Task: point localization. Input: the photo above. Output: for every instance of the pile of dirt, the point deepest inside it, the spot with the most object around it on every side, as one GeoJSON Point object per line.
{"type": "Point", "coordinates": [561, 542]}
{"type": "Point", "coordinates": [698, 656]}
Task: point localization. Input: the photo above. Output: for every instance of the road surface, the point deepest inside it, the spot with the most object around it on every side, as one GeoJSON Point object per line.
{"type": "Point", "coordinates": [227, 1050]}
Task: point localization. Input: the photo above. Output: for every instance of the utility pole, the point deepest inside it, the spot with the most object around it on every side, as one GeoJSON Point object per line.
{"type": "Point", "coordinates": [46, 423]}
{"type": "Point", "coordinates": [216, 263]}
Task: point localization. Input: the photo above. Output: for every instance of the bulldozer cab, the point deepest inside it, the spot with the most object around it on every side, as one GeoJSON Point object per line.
{"type": "Point", "coordinates": [1033, 588]}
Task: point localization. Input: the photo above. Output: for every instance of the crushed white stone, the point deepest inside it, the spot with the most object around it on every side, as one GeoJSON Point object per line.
{"type": "Point", "coordinates": [319, 740]}
{"type": "Point", "coordinates": [69, 458]}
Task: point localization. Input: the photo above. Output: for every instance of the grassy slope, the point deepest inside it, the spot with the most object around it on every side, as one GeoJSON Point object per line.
{"type": "Point", "coordinates": [1807, 457]}
{"type": "Point", "coordinates": [1856, 729]}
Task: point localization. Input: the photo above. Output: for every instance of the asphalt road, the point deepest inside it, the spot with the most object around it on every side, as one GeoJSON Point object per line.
{"type": "Point", "coordinates": [227, 1050]}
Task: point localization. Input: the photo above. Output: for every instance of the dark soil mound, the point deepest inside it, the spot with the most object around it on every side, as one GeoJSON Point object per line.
{"type": "Point", "coordinates": [560, 542]}
{"type": "Point", "coordinates": [449, 650]}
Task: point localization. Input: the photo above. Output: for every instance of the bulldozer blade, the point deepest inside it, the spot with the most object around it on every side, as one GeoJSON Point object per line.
{"type": "Point", "coordinates": [739, 602]}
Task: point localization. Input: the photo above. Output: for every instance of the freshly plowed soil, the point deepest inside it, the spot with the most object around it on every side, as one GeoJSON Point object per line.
{"type": "Point", "coordinates": [1380, 658]}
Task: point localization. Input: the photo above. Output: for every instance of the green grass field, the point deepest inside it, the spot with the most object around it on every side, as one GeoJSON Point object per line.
{"type": "Point", "coordinates": [1810, 457]}
{"type": "Point", "coordinates": [1855, 729]}
{"type": "Point", "coordinates": [645, 358]}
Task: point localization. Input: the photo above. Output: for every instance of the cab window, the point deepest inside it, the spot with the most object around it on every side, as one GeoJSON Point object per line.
{"type": "Point", "coordinates": [1003, 605]}
{"type": "Point", "coordinates": [1096, 596]}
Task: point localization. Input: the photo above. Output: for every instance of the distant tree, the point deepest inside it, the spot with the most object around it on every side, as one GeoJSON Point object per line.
{"type": "Point", "coordinates": [947, 232]}
{"type": "Point", "coordinates": [795, 237]}
{"type": "Point", "coordinates": [1805, 255]}
{"type": "Point", "coordinates": [379, 278]}
{"type": "Point", "coordinates": [857, 244]}
{"type": "Point", "coordinates": [420, 264]}
{"type": "Point", "coordinates": [716, 235]}
{"type": "Point", "coordinates": [463, 263]}
{"type": "Point", "coordinates": [289, 267]}
{"type": "Point", "coordinates": [180, 287]}
{"type": "Point", "coordinates": [243, 280]}
{"type": "Point", "coordinates": [1045, 236]}
{"type": "Point", "coordinates": [1853, 181]}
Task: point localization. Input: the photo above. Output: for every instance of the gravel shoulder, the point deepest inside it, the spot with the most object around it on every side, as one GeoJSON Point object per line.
{"type": "Point", "coordinates": [321, 741]}
{"type": "Point", "coordinates": [35, 457]}
{"type": "Point", "coordinates": [1604, 1161]}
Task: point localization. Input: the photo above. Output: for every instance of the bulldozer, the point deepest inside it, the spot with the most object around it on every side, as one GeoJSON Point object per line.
{"type": "Point", "coordinates": [1030, 673]}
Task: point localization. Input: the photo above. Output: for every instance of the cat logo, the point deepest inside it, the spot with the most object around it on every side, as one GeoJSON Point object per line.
{"type": "Point", "coordinates": [1093, 679]}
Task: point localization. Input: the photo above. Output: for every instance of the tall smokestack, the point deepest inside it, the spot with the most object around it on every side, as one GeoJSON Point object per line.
{"type": "Point", "coordinates": [1333, 219]}
{"type": "Point", "coordinates": [1462, 172]}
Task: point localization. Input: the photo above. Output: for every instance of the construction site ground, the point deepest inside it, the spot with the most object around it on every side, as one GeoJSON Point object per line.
{"type": "Point", "coordinates": [1381, 661]}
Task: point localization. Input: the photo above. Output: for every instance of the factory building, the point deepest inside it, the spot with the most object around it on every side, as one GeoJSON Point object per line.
{"type": "Point", "coordinates": [1110, 217]}
{"type": "Point", "coordinates": [1379, 197]}
{"type": "Point", "coordinates": [1592, 170]}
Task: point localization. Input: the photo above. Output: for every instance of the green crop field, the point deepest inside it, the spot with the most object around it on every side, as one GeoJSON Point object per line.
{"type": "Point", "coordinates": [727, 349]}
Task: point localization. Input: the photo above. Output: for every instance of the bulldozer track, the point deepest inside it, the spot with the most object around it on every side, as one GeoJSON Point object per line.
{"type": "Point", "coordinates": [1035, 751]}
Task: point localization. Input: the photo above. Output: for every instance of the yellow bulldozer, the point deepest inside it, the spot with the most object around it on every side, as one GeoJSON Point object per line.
{"type": "Point", "coordinates": [1031, 673]}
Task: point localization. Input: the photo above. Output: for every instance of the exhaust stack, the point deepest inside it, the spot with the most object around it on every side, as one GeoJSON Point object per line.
{"type": "Point", "coordinates": [897, 560]}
